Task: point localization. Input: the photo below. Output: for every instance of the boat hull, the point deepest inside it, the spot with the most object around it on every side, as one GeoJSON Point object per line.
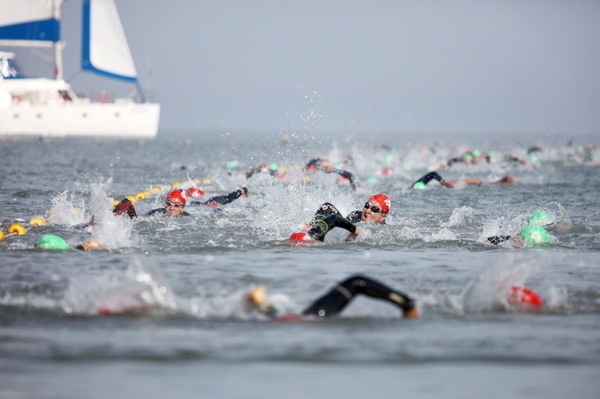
{"type": "Point", "coordinates": [111, 120]}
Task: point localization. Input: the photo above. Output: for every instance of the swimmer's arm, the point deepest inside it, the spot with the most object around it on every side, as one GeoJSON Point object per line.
{"type": "Point", "coordinates": [347, 175]}
{"type": "Point", "coordinates": [447, 184]}
{"type": "Point", "coordinates": [352, 236]}
{"type": "Point", "coordinates": [354, 216]}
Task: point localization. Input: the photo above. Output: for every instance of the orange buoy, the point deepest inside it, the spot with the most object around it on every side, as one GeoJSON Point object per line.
{"type": "Point", "coordinates": [524, 296]}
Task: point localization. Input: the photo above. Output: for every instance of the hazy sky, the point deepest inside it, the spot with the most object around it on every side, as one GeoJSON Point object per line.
{"type": "Point", "coordinates": [404, 66]}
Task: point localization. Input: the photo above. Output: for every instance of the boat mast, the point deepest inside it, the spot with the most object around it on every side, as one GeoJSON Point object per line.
{"type": "Point", "coordinates": [58, 45]}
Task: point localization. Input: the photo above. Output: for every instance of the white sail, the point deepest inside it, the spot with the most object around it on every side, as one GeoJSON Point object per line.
{"type": "Point", "coordinates": [29, 22]}
{"type": "Point", "coordinates": [105, 49]}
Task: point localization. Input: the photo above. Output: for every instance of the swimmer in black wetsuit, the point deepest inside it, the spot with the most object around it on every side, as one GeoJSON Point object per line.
{"type": "Point", "coordinates": [333, 302]}
{"type": "Point", "coordinates": [174, 206]}
{"type": "Point", "coordinates": [422, 182]}
{"type": "Point", "coordinates": [264, 168]}
{"type": "Point", "coordinates": [323, 164]}
{"type": "Point", "coordinates": [328, 217]}
{"type": "Point", "coordinates": [223, 199]}
{"type": "Point", "coordinates": [375, 210]}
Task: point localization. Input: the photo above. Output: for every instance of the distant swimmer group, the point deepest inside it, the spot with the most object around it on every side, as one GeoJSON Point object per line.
{"type": "Point", "coordinates": [176, 201]}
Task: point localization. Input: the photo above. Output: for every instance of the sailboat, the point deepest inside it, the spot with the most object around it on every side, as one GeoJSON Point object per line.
{"type": "Point", "coordinates": [46, 107]}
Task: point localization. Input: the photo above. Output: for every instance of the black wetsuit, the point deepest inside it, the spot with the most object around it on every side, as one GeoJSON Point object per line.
{"type": "Point", "coordinates": [261, 168]}
{"type": "Point", "coordinates": [428, 177]}
{"type": "Point", "coordinates": [454, 160]}
{"type": "Point", "coordinates": [317, 164]}
{"type": "Point", "coordinates": [326, 218]}
{"type": "Point", "coordinates": [333, 302]}
{"type": "Point", "coordinates": [498, 239]}
{"type": "Point", "coordinates": [347, 175]}
{"type": "Point", "coordinates": [163, 211]}
{"type": "Point", "coordinates": [222, 199]}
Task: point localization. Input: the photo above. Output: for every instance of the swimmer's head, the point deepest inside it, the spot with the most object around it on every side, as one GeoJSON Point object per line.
{"type": "Point", "coordinates": [539, 218]}
{"type": "Point", "coordinates": [534, 235]}
{"type": "Point", "coordinates": [420, 185]}
{"type": "Point", "coordinates": [51, 242]}
{"type": "Point", "coordinates": [376, 209]}
{"type": "Point", "coordinates": [194, 192]}
{"type": "Point", "coordinates": [175, 203]}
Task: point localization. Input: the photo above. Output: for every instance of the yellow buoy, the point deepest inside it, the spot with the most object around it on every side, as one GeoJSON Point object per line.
{"type": "Point", "coordinates": [17, 228]}
{"type": "Point", "coordinates": [1, 236]}
{"type": "Point", "coordinates": [197, 181]}
{"type": "Point", "coordinates": [140, 196]}
{"type": "Point", "coordinates": [38, 221]}
{"type": "Point", "coordinates": [147, 192]}
{"type": "Point", "coordinates": [175, 185]}
{"type": "Point", "coordinates": [131, 199]}
{"type": "Point", "coordinates": [207, 181]}
{"type": "Point", "coordinates": [156, 190]}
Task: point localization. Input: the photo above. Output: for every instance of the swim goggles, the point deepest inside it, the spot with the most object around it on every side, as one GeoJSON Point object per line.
{"type": "Point", "coordinates": [174, 204]}
{"type": "Point", "coordinates": [373, 209]}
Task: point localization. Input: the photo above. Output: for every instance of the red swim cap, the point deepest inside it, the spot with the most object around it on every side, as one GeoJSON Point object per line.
{"type": "Point", "coordinates": [178, 195]}
{"type": "Point", "coordinates": [300, 236]}
{"type": "Point", "coordinates": [194, 192]}
{"type": "Point", "coordinates": [383, 201]}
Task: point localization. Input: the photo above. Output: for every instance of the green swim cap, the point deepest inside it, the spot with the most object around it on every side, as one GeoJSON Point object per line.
{"type": "Point", "coordinates": [372, 180]}
{"type": "Point", "coordinates": [539, 218]}
{"type": "Point", "coordinates": [52, 242]}
{"type": "Point", "coordinates": [420, 185]}
{"type": "Point", "coordinates": [273, 166]}
{"type": "Point", "coordinates": [476, 153]}
{"type": "Point", "coordinates": [535, 235]}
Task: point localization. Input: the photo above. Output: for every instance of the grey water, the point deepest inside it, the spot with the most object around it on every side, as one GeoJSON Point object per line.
{"type": "Point", "coordinates": [159, 311]}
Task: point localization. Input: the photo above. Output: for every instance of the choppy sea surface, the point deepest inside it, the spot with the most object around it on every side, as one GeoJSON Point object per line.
{"type": "Point", "coordinates": [178, 325]}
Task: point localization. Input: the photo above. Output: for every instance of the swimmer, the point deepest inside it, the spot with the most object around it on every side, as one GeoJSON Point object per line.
{"type": "Point", "coordinates": [508, 179]}
{"type": "Point", "coordinates": [174, 206]}
{"type": "Point", "coordinates": [223, 199]}
{"type": "Point", "coordinates": [344, 174]}
{"type": "Point", "coordinates": [334, 301]}
{"type": "Point", "coordinates": [423, 181]}
{"type": "Point", "coordinates": [323, 164]}
{"type": "Point", "coordinates": [271, 169]}
{"type": "Point", "coordinates": [375, 210]}
{"type": "Point", "coordinates": [527, 237]}
{"type": "Point", "coordinates": [327, 218]}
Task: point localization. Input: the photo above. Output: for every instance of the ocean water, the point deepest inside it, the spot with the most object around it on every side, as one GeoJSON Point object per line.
{"type": "Point", "coordinates": [173, 288]}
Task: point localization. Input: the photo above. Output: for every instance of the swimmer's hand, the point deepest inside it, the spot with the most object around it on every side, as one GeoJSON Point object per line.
{"type": "Point", "coordinates": [328, 168]}
{"type": "Point", "coordinates": [257, 298]}
{"type": "Point", "coordinates": [412, 313]}
{"type": "Point", "coordinates": [447, 183]}
{"type": "Point", "coordinates": [89, 245]}
{"type": "Point", "coordinates": [352, 236]}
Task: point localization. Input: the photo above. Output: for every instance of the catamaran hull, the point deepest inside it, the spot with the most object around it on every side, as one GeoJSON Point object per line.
{"type": "Point", "coordinates": [112, 120]}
